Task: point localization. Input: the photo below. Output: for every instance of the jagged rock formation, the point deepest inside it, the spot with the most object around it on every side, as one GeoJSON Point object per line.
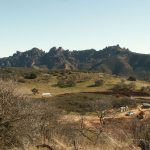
{"type": "Point", "coordinates": [113, 60]}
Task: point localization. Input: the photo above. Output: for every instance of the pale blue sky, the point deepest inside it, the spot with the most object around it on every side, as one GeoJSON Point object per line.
{"type": "Point", "coordinates": [74, 24]}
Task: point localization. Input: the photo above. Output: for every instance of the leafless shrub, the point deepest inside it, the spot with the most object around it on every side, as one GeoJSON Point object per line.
{"type": "Point", "coordinates": [141, 133]}
{"type": "Point", "coordinates": [14, 116]}
{"type": "Point", "coordinates": [24, 121]}
{"type": "Point", "coordinates": [46, 124]}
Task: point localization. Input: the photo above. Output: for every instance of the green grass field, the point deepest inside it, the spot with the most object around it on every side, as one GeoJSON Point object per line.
{"type": "Point", "coordinates": [49, 84]}
{"type": "Point", "coordinates": [46, 81]}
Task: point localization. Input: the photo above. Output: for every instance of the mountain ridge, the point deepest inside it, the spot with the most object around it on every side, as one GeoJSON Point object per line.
{"type": "Point", "coordinates": [112, 59]}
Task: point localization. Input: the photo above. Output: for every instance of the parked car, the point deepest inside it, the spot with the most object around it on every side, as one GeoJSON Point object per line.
{"type": "Point", "coordinates": [145, 105]}
{"type": "Point", "coordinates": [130, 113]}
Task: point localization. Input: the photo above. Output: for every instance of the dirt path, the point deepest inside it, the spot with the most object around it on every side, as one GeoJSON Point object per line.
{"type": "Point", "coordinates": [92, 120]}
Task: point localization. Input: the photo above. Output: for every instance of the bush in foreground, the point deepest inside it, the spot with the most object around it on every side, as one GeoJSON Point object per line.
{"type": "Point", "coordinates": [14, 117]}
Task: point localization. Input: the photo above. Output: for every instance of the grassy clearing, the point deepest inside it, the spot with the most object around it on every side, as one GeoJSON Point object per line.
{"type": "Point", "coordinates": [46, 80]}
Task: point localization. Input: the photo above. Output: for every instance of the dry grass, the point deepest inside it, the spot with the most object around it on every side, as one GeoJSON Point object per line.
{"type": "Point", "coordinates": [62, 138]}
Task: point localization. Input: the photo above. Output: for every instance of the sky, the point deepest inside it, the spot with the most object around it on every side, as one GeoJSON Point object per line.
{"type": "Point", "coordinates": [74, 24]}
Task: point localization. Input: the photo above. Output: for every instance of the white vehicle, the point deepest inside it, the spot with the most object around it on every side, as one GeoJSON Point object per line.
{"type": "Point", "coordinates": [46, 94]}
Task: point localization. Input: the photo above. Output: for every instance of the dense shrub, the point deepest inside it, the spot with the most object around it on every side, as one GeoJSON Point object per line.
{"type": "Point", "coordinates": [21, 80]}
{"type": "Point", "coordinates": [117, 103]}
{"type": "Point", "coordinates": [124, 88]}
{"type": "Point", "coordinates": [66, 83]}
{"type": "Point", "coordinates": [99, 82]}
{"type": "Point", "coordinates": [14, 117]}
{"type": "Point", "coordinates": [23, 121]}
{"type": "Point", "coordinates": [31, 75]}
{"type": "Point", "coordinates": [140, 131]}
{"type": "Point", "coordinates": [131, 78]}
{"type": "Point", "coordinates": [145, 89]}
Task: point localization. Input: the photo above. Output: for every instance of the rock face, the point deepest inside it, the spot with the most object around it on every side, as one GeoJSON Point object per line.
{"type": "Point", "coordinates": [23, 59]}
{"type": "Point", "coordinates": [113, 60]}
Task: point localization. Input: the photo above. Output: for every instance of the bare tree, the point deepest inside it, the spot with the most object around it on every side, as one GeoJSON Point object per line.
{"type": "Point", "coordinates": [94, 133]}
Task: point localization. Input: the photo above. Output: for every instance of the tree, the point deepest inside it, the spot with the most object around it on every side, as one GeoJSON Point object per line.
{"type": "Point", "coordinates": [93, 134]}
{"type": "Point", "coordinates": [35, 91]}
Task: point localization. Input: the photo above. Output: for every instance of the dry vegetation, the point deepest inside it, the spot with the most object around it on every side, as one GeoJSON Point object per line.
{"type": "Point", "coordinates": [80, 116]}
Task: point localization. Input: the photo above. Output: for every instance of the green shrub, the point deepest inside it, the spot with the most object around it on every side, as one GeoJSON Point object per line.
{"type": "Point", "coordinates": [99, 82]}
{"type": "Point", "coordinates": [131, 78]}
{"type": "Point", "coordinates": [124, 88]}
{"type": "Point", "coordinates": [145, 89]}
{"type": "Point", "coordinates": [31, 75]}
{"type": "Point", "coordinates": [21, 80]}
{"type": "Point", "coordinates": [117, 103]}
{"type": "Point", "coordinates": [66, 83]}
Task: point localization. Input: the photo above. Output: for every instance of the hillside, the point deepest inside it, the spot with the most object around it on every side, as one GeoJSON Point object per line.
{"type": "Point", "coordinates": [62, 82]}
{"type": "Point", "coordinates": [86, 114]}
{"type": "Point", "coordinates": [112, 60]}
